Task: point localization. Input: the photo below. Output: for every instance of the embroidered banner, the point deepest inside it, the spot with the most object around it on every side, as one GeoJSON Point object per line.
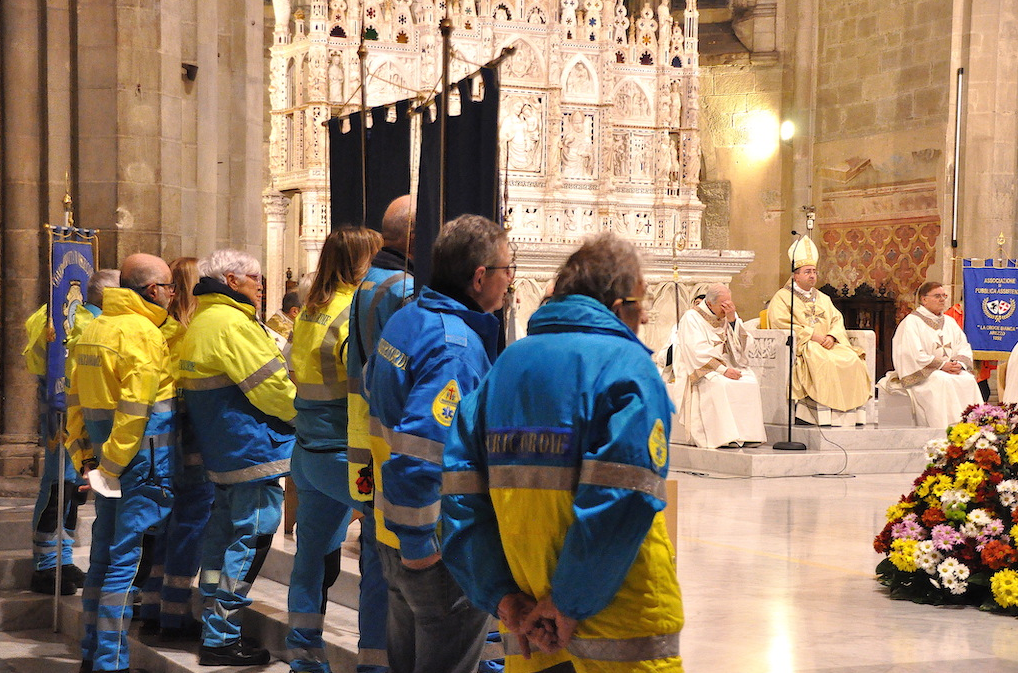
{"type": "Point", "coordinates": [72, 262]}
{"type": "Point", "coordinates": [991, 296]}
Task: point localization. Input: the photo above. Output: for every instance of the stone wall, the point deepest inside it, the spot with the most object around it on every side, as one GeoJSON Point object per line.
{"type": "Point", "coordinates": [884, 82]}
{"type": "Point", "coordinates": [157, 161]}
{"type": "Point", "coordinates": [740, 116]}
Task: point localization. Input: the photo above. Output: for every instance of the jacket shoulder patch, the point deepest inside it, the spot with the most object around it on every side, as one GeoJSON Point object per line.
{"type": "Point", "coordinates": [657, 445]}
{"type": "Point", "coordinates": [444, 406]}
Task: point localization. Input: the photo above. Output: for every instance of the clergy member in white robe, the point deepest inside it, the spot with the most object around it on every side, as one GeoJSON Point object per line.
{"type": "Point", "coordinates": [720, 403]}
{"type": "Point", "coordinates": [933, 362]}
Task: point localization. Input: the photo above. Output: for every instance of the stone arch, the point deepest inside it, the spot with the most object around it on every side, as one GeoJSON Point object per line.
{"type": "Point", "coordinates": [525, 63]}
{"type": "Point", "coordinates": [580, 80]}
{"type": "Point", "coordinates": [632, 100]}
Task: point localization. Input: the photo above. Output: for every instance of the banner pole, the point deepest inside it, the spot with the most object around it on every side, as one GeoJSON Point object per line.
{"type": "Point", "coordinates": [61, 499]}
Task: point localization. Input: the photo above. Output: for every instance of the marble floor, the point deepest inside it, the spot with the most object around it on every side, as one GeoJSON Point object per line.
{"type": "Point", "coordinates": [777, 577]}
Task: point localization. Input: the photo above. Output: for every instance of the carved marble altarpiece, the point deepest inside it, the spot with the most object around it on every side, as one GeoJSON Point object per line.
{"type": "Point", "coordinates": [599, 126]}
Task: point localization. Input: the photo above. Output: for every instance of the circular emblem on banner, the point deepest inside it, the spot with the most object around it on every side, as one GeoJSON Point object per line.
{"type": "Point", "coordinates": [998, 309]}
{"type": "Point", "coordinates": [657, 444]}
{"type": "Point", "coordinates": [444, 406]}
{"type": "Point", "coordinates": [71, 304]}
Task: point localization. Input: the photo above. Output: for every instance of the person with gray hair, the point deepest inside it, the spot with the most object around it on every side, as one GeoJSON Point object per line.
{"type": "Point", "coordinates": [554, 481]}
{"type": "Point", "coordinates": [430, 353]}
{"type": "Point", "coordinates": [240, 403]}
{"type": "Point", "coordinates": [719, 402]}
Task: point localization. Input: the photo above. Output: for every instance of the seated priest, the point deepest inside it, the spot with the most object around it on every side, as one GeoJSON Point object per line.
{"type": "Point", "coordinates": [933, 362]}
{"type": "Point", "coordinates": [720, 400]}
{"type": "Point", "coordinates": [829, 383]}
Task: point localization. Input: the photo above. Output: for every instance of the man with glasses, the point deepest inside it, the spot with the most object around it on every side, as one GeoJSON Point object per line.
{"type": "Point", "coordinates": [240, 403]}
{"type": "Point", "coordinates": [933, 361]}
{"type": "Point", "coordinates": [430, 353]}
{"type": "Point", "coordinates": [121, 429]}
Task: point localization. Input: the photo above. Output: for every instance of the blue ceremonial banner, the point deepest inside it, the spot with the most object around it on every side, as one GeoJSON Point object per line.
{"type": "Point", "coordinates": [991, 295]}
{"type": "Point", "coordinates": [72, 262]}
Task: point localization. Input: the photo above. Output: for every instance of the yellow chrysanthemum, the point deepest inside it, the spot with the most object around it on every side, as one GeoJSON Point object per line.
{"type": "Point", "coordinates": [969, 477]}
{"type": "Point", "coordinates": [1012, 448]}
{"type": "Point", "coordinates": [898, 510]}
{"type": "Point", "coordinates": [1000, 428]}
{"type": "Point", "coordinates": [961, 431]}
{"type": "Point", "coordinates": [1014, 531]}
{"type": "Point", "coordinates": [1004, 585]}
{"type": "Point", "coordinates": [903, 555]}
{"type": "Point", "coordinates": [923, 489]}
{"type": "Point", "coordinates": [944, 483]}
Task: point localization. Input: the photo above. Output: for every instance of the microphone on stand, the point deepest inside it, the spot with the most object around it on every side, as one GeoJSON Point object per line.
{"type": "Point", "coordinates": [789, 445]}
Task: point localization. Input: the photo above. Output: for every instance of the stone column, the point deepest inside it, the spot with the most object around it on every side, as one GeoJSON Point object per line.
{"type": "Point", "coordinates": [315, 225]}
{"type": "Point", "coordinates": [275, 205]}
{"type": "Point", "coordinates": [23, 150]}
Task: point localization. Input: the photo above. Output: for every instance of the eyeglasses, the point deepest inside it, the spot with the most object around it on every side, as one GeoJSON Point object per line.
{"type": "Point", "coordinates": [255, 277]}
{"type": "Point", "coordinates": [642, 301]}
{"type": "Point", "coordinates": [169, 287]}
{"type": "Point", "coordinates": [511, 268]}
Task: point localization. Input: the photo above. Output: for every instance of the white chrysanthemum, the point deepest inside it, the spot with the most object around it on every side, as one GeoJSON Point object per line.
{"type": "Point", "coordinates": [936, 449]}
{"type": "Point", "coordinates": [927, 557]}
{"type": "Point", "coordinates": [954, 497]}
{"type": "Point", "coordinates": [948, 566]}
{"type": "Point", "coordinates": [962, 571]}
{"type": "Point", "coordinates": [957, 587]}
{"type": "Point", "coordinates": [1008, 492]}
{"type": "Point", "coordinates": [983, 443]}
{"type": "Point", "coordinates": [979, 517]}
{"type": "Point", "coordinates": [970, 529]}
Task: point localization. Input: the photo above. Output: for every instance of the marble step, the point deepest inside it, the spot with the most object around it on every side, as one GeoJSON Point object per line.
{"type": "Point", "coordinates": [765, 462]}
{"type": "Point", "coordinates": [865, 438]}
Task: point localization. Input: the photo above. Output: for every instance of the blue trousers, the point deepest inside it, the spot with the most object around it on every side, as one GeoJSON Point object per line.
{"type": "Point", "coordinates": [117, 532]}
{"type": "Point", "coordinates": [324, 507]}
{"type": "Point", "coordinates": [237, 538]}
{"type": "Point", "coordinates": [176, 554]}
{"type": "Point", "coordinates": [44, 518]}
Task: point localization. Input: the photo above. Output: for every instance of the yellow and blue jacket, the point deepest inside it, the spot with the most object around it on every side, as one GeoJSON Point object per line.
{"type": "Point", "coordinates": [431, 352]}
{"type": "Point", "coordinates": [238, 395]}
{"type": "Point", "coordinates": [554, 474]}
{"type": "Point", "coordinates": [319, 371]}
{"type": "Point", "coordinates": [35, 347]}
{"type": "Point", "coordinates": [121, 400]}
{"type": "Point", "coordinates": [385, 289]}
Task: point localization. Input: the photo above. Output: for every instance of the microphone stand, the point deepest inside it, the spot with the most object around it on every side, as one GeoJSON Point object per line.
{"type": "Point", "coordinates": [789, 445]}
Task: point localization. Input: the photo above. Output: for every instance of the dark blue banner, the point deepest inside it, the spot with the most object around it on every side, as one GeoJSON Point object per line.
{"type": "Point", "coordinates": [72, 262]}
{"type": "Point", "coordinates": [991, 296]}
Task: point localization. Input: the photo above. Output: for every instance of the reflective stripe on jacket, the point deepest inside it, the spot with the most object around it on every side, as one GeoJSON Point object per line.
{"type": "Point", "coordinates": [430, 353]}
{"type": "Point", "coordinates": [239, 397]}
{"type": "Point", "coordinates": [379, 296]}
{"type": "Point", "coordinates": [319, 371]}
{"type": "Point", "coordinates": [121, 397]}
{"type": "Point", "coordinates": [554, 483]}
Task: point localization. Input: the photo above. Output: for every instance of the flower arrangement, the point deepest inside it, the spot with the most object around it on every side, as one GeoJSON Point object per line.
{"type": "Point", "coordinates": [952, 539]}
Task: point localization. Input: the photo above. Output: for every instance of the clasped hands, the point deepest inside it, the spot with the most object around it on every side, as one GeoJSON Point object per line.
{"type": "Point", "coordinates": [536, 623]}
{"type": "Point", "coordinates": [952, 367]}
{"type": "Point", "coordinates": [825, 340]}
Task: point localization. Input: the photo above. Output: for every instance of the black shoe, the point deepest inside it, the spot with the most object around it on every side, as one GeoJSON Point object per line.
{"type": "Point", "coordinates": [234, 654]}
{"type": "Point", "coordinates": [44, 581]}
{"type": "Point", "coordinates": [86, 666]}
{"type": "Point", "coordinates": [76, 574]}
{"type": "Point", "coordinates": [190, 632]}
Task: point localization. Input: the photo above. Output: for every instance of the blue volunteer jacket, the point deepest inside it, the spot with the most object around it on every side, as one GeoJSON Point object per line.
{"type": "Point", "coordinates": [431, 352]}
{"type": "Point", "coordinates": [555, 469]}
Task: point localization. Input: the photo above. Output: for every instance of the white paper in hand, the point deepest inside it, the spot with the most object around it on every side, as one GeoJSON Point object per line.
{"type": "Point", "coordinates": [102, 484]}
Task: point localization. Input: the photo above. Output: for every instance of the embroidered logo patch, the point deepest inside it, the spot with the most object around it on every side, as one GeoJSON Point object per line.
{"type": "Point", "coordinates": [444, 406]}
{"type": "Point", "coordinates": [657, 445]}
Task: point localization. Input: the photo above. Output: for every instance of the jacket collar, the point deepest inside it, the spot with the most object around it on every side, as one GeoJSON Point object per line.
{"type": "Point", "coordinates": [125, 301]}
{"type": "Point", "coordinates": [211, 291]}
{"type": "Point", "coordinates": [579, 313]}
{"type": "Point", "coordinates": [209, 285]}
{"type": "Point", "coordinates": [485, 324]}
{"type": "Point", "coordinates": [392, 259]}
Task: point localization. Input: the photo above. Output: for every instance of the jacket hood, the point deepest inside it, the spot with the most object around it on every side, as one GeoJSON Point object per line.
{"type": "Point", "coordinates": [123, 301]}
{"type": "Point", "coordinates": [579, 313]}
{"type": "Point", "coordinates": [209, 285]}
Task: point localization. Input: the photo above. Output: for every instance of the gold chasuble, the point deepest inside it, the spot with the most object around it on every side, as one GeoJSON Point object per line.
{"type": "Point", "coordinates": [834, 378]}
